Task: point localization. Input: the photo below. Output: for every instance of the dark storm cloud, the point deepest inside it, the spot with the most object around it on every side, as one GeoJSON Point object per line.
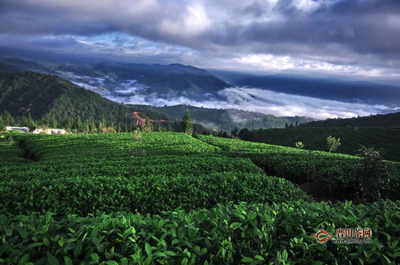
{"type": "Point", "coordinates": [363, 33]}
{"type": "Point", "coordinates": [368, 26]}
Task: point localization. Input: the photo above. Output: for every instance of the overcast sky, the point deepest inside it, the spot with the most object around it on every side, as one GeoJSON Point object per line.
{"type": "Point", "coordinates": [348, 38]}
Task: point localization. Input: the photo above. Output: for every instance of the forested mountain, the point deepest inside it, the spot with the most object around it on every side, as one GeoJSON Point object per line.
{"type": "Point", "coordinates": [119, 81]}
{"type": "Point", "coordinates": [226, 119]}
{"type": "Point", "coordinates": [160, 78]}
{"type": "Point", "coordinates": [40, 94]}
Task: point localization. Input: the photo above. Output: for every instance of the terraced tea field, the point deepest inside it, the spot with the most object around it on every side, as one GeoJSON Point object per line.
{"type": "Point", "coordinates": [387, 138]}
{"type": "Point", "coordinates": [173, 199]}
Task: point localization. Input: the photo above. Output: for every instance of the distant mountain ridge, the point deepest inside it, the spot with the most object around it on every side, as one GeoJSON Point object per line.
{"type": "Point", "coordinates": [120, 81]}
{"type": "Point", "coordinates": [164, 79]}
{"type": "Point", "coordinates": [226, 119]}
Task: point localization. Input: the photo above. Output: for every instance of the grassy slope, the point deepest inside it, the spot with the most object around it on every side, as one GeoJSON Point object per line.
{"type": "Point", "coordinates": [387, 138]}
{"type": "Point", "coordinates": [391, 119]}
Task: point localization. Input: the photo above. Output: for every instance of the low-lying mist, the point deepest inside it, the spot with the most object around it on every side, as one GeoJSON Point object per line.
{"type": "Point", "coordinates": [250, 99]}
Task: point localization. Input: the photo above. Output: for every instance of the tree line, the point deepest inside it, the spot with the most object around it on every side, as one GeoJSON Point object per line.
{"type": "Point", "coordinates": [78, 125]}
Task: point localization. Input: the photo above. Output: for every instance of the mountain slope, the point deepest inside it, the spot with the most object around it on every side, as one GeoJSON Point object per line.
{"type": "Point", "coordinates": [161, 77]}
{"type": "Point", "coordinates": [392, 119]}
{"type": "Point", "coordinates": [119, 81]}
{"type": "Point", "coordinates": [40, 94]}
{"type": "Point", "coordinates": [387, 138]}
{"type": "Point", "coordinates": [226, 119]}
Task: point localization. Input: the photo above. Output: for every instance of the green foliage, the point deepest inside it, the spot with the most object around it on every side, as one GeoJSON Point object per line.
{"type": "Point", "coordinates": [137, 135]}
{"type": "Point", "coordinates": [2, 125]}
{"type": "Point", "coordinates": [223, 119]}
{"type": "Point", "coordinates": [226, 234]}
{"type": "Point", "coordinates": [376, 176]}
{"type": "Point", "coordinates": [148, 127]}
{"type": "Point", "coordinates": [299, 145]}
{"type": "Point", "coordinates": [85, 173]}
{"type": "Point", "coordinates": [151, 194]}
{"type": "Point", "coordinates": [333, 143]}
{"type": "Point", "coordinates": [379, 120]}
{"type": "Point", "coordinates": [7, 118]}
{"type": "Point", "coordinates": [334, 173]}
{"type": "Point", "coordinates": [55, 101]}
{"type": "Point", "coordinates": [10, 140]}
{"type": "Point", "coordinates": [187, 123]}
{"type": "Point", "coordinates": [235, 132]}
{"type": "Point", "coordinates": [201, 200]}
{"type": "Point", "coordinates": [387, 138]}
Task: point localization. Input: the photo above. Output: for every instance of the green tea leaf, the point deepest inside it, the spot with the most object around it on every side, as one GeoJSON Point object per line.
{"type": "Point", "coordinates": [52, 260]}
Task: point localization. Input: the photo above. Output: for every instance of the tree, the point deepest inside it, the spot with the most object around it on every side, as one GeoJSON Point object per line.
{"type": "Point", "coordinates": [187, 123]}
{"type": "Point", "coordinates": [299, 145]}
{"type": "Point", "coordinates": [333, 143]}
{"type": "Point", "coordinates": [53, 122]}
{"type": "Point", "coordinates": [78, 125]}
{"type": "Point", "coordinates": [86, 127]}
{"type": "Point", "coordinates": [23, 122]}
{"type": "Point", "coordinates": [147, 125]}
{"type": "Point", "coordinates": [235, 132]}
{"type": "Point", "coordinates": [8, 119]}
{"type": "Point", "coordinates": [67, 123]}
{"type": "Point", "coordinates": [44, 122]}
{"type": "Point", "coordinates": [376, 174]}
{"type": "Point", "coordinates": [2, 125]}
{"type": "Point", "coordinates": [31, 123]}
{"type": "Point", "coordinates": [100, 127]}
{"type": "Point", "coordinates": [92, 125]}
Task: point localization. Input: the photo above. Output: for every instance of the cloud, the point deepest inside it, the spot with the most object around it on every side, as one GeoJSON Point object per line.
{"type": "Point", "coordinates": [250, 99]}
{"type": "Point", "coordinates": [325, 36]}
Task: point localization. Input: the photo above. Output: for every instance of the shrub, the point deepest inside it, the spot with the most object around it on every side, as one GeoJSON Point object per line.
{"type": "Point", "coordinates": [299, 145]}
{"type": "Point", "coordinates": [10, 141]}
{"type": "Point", "coordinates": [376, 176]}
{"type": "Point", "coordinates": [108, 130]}
{"type": "Point", "coordinates": [137, 135]}
{"type": "Point", "coordinates": [333, 143]}
{"type": "Point", "coordinates": [227, 234]}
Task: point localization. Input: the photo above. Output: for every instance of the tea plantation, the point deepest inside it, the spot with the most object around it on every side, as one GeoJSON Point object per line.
{"type": "Point", "coordinates": [169, 198]}
{"type": "Point", "coordinates": [314, 138]}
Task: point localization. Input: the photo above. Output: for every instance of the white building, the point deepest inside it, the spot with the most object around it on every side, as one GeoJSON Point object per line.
{"type": "Point", "coordinates": [58, 131]}
{"type": "Point", "coordinates": [23, 129]}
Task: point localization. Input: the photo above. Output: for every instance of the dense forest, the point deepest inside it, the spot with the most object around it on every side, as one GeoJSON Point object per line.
{"type": "Point", "coordinates": [39, 100]}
